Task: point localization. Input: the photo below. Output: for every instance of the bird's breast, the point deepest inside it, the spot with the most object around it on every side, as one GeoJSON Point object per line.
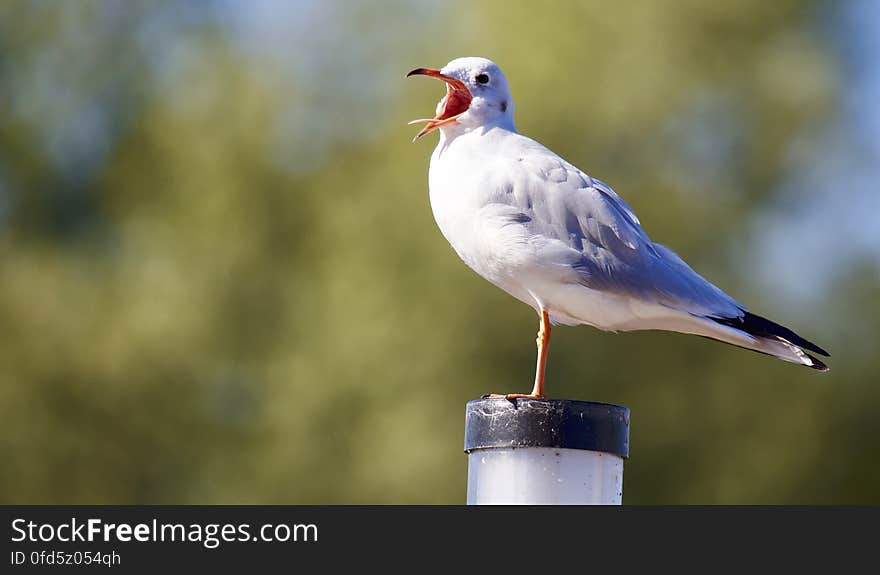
{"type": "Point", "coordinates": [483, 232]}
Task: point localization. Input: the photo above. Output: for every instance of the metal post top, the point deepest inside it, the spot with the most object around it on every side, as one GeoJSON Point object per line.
{"type": "Point", "coordinates": [555, 423]}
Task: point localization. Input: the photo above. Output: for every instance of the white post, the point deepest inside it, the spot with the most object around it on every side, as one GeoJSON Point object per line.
{"type": "Point", "coordinates": [545, 452]}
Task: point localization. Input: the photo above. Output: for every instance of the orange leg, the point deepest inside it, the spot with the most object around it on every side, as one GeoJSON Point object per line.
{"type": "Point", "coordinates": [543, 342]}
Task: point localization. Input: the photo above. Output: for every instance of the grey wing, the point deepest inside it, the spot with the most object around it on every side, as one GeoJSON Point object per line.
{"type": "Point", "coordinates": [607, 247]}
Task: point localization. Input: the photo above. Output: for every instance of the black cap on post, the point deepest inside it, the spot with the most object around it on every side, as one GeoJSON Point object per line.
{"type": "Point", "coordinates": [556, 423]}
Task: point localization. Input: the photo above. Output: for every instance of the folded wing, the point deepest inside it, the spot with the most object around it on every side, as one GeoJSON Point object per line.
{"type": "Point", "coordinates": [606, 245]}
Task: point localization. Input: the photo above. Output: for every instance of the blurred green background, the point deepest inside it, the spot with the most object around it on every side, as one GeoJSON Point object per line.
{"type": "Point", "coordinates": [220, 279]}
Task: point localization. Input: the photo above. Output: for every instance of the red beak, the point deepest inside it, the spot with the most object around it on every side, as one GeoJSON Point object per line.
{"type": "Point", "coordinates": [455, 102]}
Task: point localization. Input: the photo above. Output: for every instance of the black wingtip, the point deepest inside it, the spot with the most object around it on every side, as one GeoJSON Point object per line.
{"type": "Point", "coordinates": [817, 364]}
{"type": "Point", "coordinates": [762, 327]}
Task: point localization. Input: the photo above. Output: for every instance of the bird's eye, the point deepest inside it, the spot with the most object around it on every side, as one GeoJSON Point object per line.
{"type": "Point", "coordinates": [482, 78]}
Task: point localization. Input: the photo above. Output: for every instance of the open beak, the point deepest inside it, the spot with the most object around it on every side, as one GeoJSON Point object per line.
{"type": "Point", "coordinates": [455, 102]}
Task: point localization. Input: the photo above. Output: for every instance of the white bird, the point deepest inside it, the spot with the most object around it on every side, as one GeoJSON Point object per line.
{"type": "Point", "coordinates": [560, 241]}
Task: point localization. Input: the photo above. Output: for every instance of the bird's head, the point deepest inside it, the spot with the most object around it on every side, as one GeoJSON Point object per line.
{"type": "Point", "coordinates": [476, 95]}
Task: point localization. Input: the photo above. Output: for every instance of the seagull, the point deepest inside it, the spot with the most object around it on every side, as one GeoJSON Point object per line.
{"type": "Point", "coordinates": [563, 242]}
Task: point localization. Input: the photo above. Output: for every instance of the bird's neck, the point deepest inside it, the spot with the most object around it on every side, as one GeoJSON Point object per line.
{"type": "Point", "coordinates": [455, 130]}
